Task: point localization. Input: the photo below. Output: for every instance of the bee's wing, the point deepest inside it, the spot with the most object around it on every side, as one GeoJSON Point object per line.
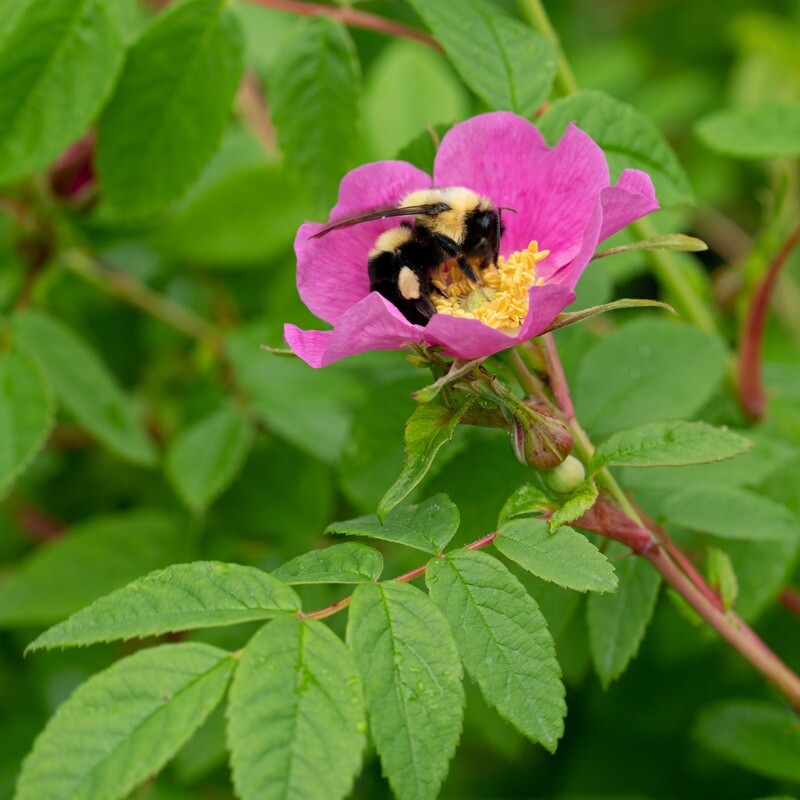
{"type": "Point", "coordinates": [426, 209]}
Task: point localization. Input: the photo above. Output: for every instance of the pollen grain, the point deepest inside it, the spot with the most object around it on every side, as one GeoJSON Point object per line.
{"type": "Point", "coordinates": [501, 300]}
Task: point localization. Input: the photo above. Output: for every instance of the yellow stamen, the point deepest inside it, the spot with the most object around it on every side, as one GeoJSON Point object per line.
{"type": "Point", "coordinates": [501, 301]}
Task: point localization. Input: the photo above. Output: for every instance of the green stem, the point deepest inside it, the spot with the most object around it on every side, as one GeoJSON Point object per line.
{"type": "Point", "coordinates": [122, 284]}
{"type": "Point", "coordinates": [667, 270]}
{"type": "Point", "coordinates": [529, 383]}
{"type": "Point", "coordinates": [536, 15]}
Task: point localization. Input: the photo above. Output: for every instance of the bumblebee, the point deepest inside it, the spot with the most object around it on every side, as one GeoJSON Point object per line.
{"type": "Point", "coordinates": [451, 223]}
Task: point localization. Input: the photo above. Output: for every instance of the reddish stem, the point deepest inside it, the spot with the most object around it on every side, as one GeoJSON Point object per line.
{"type": "Point", "coordinates": [751, 387]}
{"type": "Point", "coordinates": [321, 613]}
{"type": "Point", "coordinates": [36, 522]}
{"type": "Point", "coordinates": [790, 599]}
{"type": "Point", "coordinates": [683, 560]}
{"type": "Point", "coordinates": [730, 627]}
{"type": "Point", "coordinates": [351, 16]}
{"type": "Point", "coordinates": [609, 520]}
{"type": "Point", "coordinates": [558, 380]}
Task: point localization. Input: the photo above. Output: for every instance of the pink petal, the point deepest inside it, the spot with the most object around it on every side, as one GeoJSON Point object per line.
{"type": "Point", "coordinates": [373, 323]}
{"type": "Point", "coordinates": [469, 338]}
{"type": "Point", "coordinates": [632, 197]}
{"type": "Point", "coordinates": [332, 270]}
{"type": "Point", "coordinates": [570, 273]}
{"type": "Point", "coordinates": [554, 190]}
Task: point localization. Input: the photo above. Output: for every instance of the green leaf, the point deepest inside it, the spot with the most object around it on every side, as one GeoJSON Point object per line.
{"type": "Point", "coordinates": [507, 64]}
{"type": "Point", "coordinates": [88, 561]}
{"type": "Point", "coordinates": [59, 60]}
{"type": "Point", "coordinates": [722, 576]}
{"type": "Point", "coordinates": [759, 736]}
{"type": "Point", "coordinates": [429, 427]}
{"type": "Point", "coordinates": [428, 526]}
{"type": "Point", "coordinates": [373, 454]}
{"type": "Point", "coordinates": [204, 459]}
{"type": "Point", "coordinates": [310, 408]}
{"type": "Point", "coordinates": [527, 500]}
{"type": "Point", "coordinates": [679, 242]}
{"type": "Point", "coordinates": [630, 377]}
{"type": "Point", "coordinates": [410, 88]}
{"type": "Point", "coordinates": [246, 218]}
{"type": "Point", "coordinates": [732, 513]}
{"type": "Point", "coordinates": [565, 557]}
{"type": "Point", "coordinates": [768, 455]}
{"type": "Point", "coordinates": [296, 725]}
{"type": "Point", "coordinates": [628, 139]}
{"type": "Point", "coordinates": [151, 142]}
{"type": "Point", "coordinates": [348, 562]}
{"type": "Point", "coordinates": [421, 150]}
{"type": "Point", "coordinates": [769, 131]}
{"type": "Point", "coordinates": [27, 409]}
{"type": "Point", "coordinates": [84, 385]}
{"type": "Point", "coordinates": [412, 679]}
{"type": "Point", "coordinates": [203, 594]}
{"type": "Point", "coordinates": [762, 570]}
{"type": "Point", "coordinates": [504, 641]}
{"type": "Point", "coordinates": [314, 96]}
{"type": "Point", "coordinates": [669, 444]}
{"type": "Point", "coordinates": [125, 723]}
{"type": "Point", "coordinates": [617, 623]}
{"type": "Point", "coordinates": [579, 503]}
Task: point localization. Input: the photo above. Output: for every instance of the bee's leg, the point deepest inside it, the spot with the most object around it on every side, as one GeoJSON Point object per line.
{"type": "Point", "coordinates": [486, 253]}
{"type": "Point", "coordinates": [467, 269]}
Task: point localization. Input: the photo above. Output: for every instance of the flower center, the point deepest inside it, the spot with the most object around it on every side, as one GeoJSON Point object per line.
{"type": "Point", "coordinates": [501, 301]}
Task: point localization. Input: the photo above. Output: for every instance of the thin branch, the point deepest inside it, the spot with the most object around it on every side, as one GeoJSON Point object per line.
{"type": "Point", "coordinates": [558, 380]}
{"type": "Point", "coordinates": [790, 599]}
{"type": "Point", "coordinates": [123, 284]}
{"type": "Point", "coordinates": [730, 628]}
{"type": "Point", "coordinates": [751, 388]}
{"type": "Point", "coordinates": [252, 105]}
{"type": "Point", "coordinates": [353, 17]}
{"type": "Point", "coordinates": [328, 611]}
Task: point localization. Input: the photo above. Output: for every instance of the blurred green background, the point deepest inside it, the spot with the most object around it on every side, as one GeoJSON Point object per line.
{"type": "Point", "coordinates": [326, 444]}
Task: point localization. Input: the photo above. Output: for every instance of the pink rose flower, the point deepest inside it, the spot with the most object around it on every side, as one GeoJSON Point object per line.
{"type": "Point", "coordinates": [563, 199]}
